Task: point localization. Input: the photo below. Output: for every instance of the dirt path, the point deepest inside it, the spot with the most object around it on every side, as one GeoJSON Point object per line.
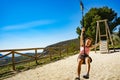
{"type": "Point", "coordinates": [103, 67]}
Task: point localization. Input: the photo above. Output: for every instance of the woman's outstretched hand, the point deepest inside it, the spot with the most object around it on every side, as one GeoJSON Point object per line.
{"type": "Point", "coordinates": [83, 29]}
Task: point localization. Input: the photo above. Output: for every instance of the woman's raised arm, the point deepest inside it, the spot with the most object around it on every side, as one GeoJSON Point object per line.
{"type": "Point", "coordinates": [81, 37]}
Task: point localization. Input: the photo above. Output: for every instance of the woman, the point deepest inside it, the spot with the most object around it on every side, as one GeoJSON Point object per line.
{"type": "Point", "coordinates": [84, 57]}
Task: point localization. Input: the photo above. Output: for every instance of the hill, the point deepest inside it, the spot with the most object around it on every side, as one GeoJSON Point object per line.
{"type": "Point", "coordinates": [72, 44]}
{"type": "Point", "coordinates": [6, 60]}
{"type": "Point", "coordinates": [66, 43]}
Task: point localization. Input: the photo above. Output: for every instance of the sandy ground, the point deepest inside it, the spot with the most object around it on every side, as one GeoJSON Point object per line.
{"type": "Point", "coordinates": [103, 67]}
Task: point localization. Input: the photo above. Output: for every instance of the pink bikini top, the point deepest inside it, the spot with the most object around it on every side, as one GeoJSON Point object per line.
{"type": "Point", "coordinates": [87, 50]}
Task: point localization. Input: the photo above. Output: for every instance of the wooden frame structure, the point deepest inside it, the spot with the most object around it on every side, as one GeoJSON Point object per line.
{"type": "Point", "coordinates": [104, 48]}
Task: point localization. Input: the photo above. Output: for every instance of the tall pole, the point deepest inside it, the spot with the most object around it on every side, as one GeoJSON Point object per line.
{"type": "Point", "coordinates": [82, 8]}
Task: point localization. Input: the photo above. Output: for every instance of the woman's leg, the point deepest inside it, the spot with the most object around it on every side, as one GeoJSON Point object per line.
{"type": "Point", "coordinates": [80, 61]}
{"type": "Point", "coordinates": [87, 60]}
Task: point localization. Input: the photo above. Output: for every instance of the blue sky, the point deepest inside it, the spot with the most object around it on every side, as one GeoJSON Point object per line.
{"type": "Point", "coordinates": [39, 23]}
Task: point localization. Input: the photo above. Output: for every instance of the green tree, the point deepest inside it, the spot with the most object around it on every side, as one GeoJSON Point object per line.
{"type": "Point", "coordinates": [116, 39]}
{"type": "Point", "coordinates": [95, 14]}
{"type": "Point", "coordinates": [119, 32]}
{"type": "Point", "coordinates": [78, 31]}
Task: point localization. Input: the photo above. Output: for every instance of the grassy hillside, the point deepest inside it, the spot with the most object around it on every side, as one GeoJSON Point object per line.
{"type": "Point", "coordinates": [72, 44]}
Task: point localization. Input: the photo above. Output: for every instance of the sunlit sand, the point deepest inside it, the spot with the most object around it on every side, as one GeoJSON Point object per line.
{"type": "Point", "coordinates": [103, 67]}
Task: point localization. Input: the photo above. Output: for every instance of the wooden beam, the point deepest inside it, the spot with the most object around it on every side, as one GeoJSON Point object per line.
{"type": "Point", "coordinates": [102, 20]}
{"type": "Point", "coordinates": [24, 55]}
{"type": "Point", "coordinates": [5, 55]}
{"type": "Point", "coordinates": [13, 60]}
{"type": "Point", "coordinates": [20, 49]}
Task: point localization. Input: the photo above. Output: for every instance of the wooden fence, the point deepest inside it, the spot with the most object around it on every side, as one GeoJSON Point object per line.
{"type": "Point", "coordinates": [36, 56]}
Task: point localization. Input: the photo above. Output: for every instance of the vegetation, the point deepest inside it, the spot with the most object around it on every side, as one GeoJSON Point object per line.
{"type": "Point", "coordinates": [95, 14]}
{"type": "Point", "coordinates": [116, 39]}
{"type": "Point", "coordinates": [119, 32]}
{"type": "Point", "coordinates": [72, 47]}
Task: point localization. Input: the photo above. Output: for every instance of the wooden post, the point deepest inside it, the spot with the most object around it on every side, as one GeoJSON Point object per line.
{"type": "Point", "coordinates": [60, 51]}
{"type": "Point", "coordinates": [96, 35]}
{"type": "Point", "coordinates": [50, 53]}
{"type": "Point", "coordinates": [36, 56]}
{"type": "Point", "coordinates": [67, 50]}
{"type": "Point", "coordinates": [110, 35]}
{"type": "Point", "coordinates": [107, 35]}
{"type": "Point", "coordinates": [13, 60]}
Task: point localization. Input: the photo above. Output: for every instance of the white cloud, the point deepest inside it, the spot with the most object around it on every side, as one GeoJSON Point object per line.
{"type": "Point", "coordinates": [28, 25]}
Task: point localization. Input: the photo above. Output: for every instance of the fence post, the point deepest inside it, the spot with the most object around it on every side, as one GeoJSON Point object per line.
{"type": "Point", "coordinates": [36, 56]}
{"type": "Point", "coordinates": [67, 50]}
{"type": "Point", "coordinates": [50, 53]}
{"type": "Point", "coordinates": [60, 51]}
{"type": "Point", "coordinates": [13, 60]}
